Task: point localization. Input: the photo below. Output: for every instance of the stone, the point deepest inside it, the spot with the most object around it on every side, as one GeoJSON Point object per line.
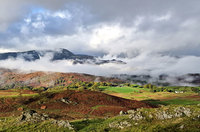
{"type": "Point", "coordinates": [67, 101]}
{"type": "Point", "coordinates": [131, 111]}
{"type": "Point", "coordinates": [181, 127]}
{"type": "Point", "coordinates": [32, 116]}
{"type": "Point", "coordinates": [162, 115]}
{"type": "Point", "coordinates": [62, 123]}
{"type": "Point", "coordinates": [136, 116]}
{"type": "Point", "coordinates": [120, 125]}
{"type": "Point", "coordinates": [181, 111]}
{"type": "Point", "coordinates": [122, 112]}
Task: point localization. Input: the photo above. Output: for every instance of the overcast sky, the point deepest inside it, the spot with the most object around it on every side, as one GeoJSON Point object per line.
{"type": "Point", "coordinates": [153, 35]}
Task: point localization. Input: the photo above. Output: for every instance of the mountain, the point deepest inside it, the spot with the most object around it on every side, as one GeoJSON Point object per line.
{"type": "Point", "coordinates": [61, 54]}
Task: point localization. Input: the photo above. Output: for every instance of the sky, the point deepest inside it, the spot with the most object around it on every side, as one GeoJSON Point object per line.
{"type": "Point", "coordinates": [151, 36]}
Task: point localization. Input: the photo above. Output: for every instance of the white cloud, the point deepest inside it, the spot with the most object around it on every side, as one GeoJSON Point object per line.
{"type": "Point", "coordinates": [165, 17]}
{"type": "Point", "coordinates": [142, 64]}
{"type": "Point", "coordinates": [2, 50]}
{"type": "Point", "coordinates": [63, 15]}
{"type": "Point", "coordinates": [141, 30]}
{"type": "Point", "coordinates": [105, 34]}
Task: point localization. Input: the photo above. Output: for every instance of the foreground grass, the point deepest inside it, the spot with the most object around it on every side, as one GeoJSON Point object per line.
{"type": "Point", "coordinates": [181, 124]}
{"type": "Point", "coordinates": [11, 124]}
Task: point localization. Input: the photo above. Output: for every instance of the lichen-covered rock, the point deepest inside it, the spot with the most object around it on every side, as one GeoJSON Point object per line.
{"type": "Point", "coordinates": [180, 111]}
{"type": "Point", "coordinates": [120, 125]}
{"type": "Point", "coordinates": [33, 116]}
{"type": "Point", "coordinates": [173, 113]}
{"type": "Point", "coordinates": [137, 116]}
{"type": "Point", "coordinates": [122, 112]}
{"type": "Point", "coordinates": [62, 123]}
{"type": "Point", "coordinates": [131, 111]}
{"type": "Point", "coordinates": [161, 115]}
{"type": "Point", "coordinates": [67, 101]}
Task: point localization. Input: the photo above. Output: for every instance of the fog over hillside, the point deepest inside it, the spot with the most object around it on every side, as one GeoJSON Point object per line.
{"type": "Point", "coordinates": [152, 37]}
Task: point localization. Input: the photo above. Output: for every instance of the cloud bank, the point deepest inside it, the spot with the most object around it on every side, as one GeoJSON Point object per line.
{"type": "Point", "coordinates": [151, 36]}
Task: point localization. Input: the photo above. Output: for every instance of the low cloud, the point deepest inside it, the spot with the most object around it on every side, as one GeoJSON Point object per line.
{"type": "Point", "coordinates": [150, 36]}
{"type": "Point", "coordinates": [143, 64]}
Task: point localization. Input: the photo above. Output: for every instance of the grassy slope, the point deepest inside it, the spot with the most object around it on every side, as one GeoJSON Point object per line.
{"type": "Point", "coordinates": [11, 124]}
{"type": "Point", "coordinates": [101, 125]}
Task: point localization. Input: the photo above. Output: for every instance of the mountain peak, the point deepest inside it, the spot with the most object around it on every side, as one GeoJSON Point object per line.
{"type": "Point", "coordinates": [59, 54]}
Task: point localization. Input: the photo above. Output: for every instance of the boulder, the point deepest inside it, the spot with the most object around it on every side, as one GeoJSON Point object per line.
{"type": "Point", "coordinates": [120, 125]}
{"type": "Point", "coordinates": [122, 112]}
{"type": "Point", "coordinates": [33, 116]}
{"type": "Point", "coordinates": [181, 111]}
{"type": "Point", "coordinates": [62, 123]}
{"type": "Point", "coordinates": [137, 116]}
{"type": "Point", "coordinates": [67, 101]}
{"type": "Point", "coordinates": [131, 111]}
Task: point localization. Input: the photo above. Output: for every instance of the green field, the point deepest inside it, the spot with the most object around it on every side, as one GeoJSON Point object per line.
{"type": "Point", "coordinates": [163, 100]}
{"type": "Point", "coordinates": [122, 89]}
{"type": "Point", "coordinates": [144, 94]}
{"type": "Point", "coordinates": [13, 93]}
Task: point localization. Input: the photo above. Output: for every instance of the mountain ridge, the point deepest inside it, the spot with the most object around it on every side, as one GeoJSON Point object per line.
{"type": "Point", "coordinates": [60, 54]}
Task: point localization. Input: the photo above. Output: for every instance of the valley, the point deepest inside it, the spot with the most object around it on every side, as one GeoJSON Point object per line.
{"type": "Point", "coordinates": [81, 102]}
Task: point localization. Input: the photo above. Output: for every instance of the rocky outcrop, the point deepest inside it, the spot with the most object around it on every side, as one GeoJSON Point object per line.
{"type": "Point", "coordinates": [122, 112]}
{"type": "Point", "coordinates": [137, 116]}
{"type": "Point", "coordinates": [63, 123]}
{"type": "Point", "coordinates": [67, 101]}
{"type": "Point", "coordinates": [161, 114]}
{"type": "Point", "coordinates": [32, 116]}
{"type": "Point", "coordinates": [120, 125]}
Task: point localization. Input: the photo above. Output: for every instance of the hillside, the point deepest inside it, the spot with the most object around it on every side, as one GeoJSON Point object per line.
{"type": "Point", "coordinates": [14, 79]}
{"type": "Point", "coordinates": [69, 104]}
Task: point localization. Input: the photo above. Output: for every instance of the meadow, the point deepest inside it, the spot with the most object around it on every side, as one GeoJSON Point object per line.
{"type": "Point", "coordinates": [146, 95]}
{"type": "Point", "coordinates": [97, 108]}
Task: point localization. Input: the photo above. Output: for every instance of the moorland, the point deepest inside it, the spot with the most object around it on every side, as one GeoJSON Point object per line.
{"type": "Point", "coordinates": [40, 101]}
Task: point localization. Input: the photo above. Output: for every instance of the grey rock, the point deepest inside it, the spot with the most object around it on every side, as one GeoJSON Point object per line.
{"type": "Point", "coordinates": [181, 111]}
{"type": "Point", "coordinates": [120, 125]}
{"type": "Point", "coordinates": [62, 123]}
{"type": "Point", "coordinates": [122, 112]}
{"type": "Point", "coordinates": [181, 127]}
{"type": "Point", "coordinates": [32, 116]}
{"type": "Point", "coordinates": [137, 116]}
{"type": "Point", "coordinates": [161, 115]}
{"type": "Point", "coordinates": [67, 101]}
{"type": "Point", "coordinates": [131, 111]}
